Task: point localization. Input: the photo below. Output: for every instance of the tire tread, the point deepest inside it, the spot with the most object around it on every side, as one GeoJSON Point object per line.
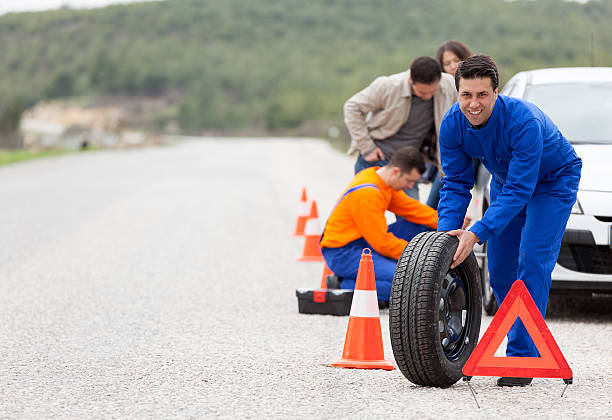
{"type": "Point", "coordinates": [413, 309]}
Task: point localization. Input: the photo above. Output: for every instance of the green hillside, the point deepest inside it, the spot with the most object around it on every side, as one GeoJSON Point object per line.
{"type": "Point", "coordinates": [273, 65]}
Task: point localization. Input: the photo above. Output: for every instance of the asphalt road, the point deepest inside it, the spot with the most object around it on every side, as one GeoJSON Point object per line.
{"type": "Point", "coordinates": [160, 283]}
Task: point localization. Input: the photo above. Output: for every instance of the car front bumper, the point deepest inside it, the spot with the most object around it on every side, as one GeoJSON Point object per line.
{"type": "Point", "coordinates": [585, 259]}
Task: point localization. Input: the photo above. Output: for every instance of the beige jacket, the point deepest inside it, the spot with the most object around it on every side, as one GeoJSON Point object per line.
{"type": "Point", "coordinates": [379, 111]}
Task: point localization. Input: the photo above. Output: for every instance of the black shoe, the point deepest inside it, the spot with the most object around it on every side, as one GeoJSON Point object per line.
{"type": "Point", "coordinates": [383, 304]}
{"type": "Point", "coordinates": [333, 281]}
{"type": "Point", "coordinates": [510, 381]}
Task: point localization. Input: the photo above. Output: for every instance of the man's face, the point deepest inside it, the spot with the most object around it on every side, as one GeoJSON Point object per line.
{"type": "Point", "coordinates": [403, 180]}
{"type": "Point", "coordinates": [477, 99]}
{"type": "Point", "coordinates": [423, 90]}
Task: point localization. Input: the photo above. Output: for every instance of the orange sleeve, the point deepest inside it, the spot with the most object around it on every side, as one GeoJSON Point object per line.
{"type": "Point", "coordinates": [413, 210]}
{"type": "Point", "coordinates": [369, 215]}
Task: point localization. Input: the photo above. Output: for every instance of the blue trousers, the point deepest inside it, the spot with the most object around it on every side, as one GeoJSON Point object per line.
{"type": "Point", "coordinates": [527, 249]}
{"type": "Point", "coordinates": [344, 261]}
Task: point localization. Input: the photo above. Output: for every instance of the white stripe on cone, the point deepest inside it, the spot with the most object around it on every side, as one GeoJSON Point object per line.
{"type": "Point", "coordinates": [365, 304]}
{"type": "Point", "coordinates": [313, 227]}
{"type": "Point", "coordinates": [304, 209]}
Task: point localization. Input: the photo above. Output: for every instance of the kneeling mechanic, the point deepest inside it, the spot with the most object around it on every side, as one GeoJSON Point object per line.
{"type": "Point", "coordinates": [358, 220]}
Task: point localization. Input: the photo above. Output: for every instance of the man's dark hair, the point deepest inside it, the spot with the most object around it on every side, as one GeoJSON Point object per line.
{"type": "Point", "coordinates": [478, 67]}
{"type": "Point", "coordinates": [425, 70]}
{"type": "Point", "coordinates": [408, 158]}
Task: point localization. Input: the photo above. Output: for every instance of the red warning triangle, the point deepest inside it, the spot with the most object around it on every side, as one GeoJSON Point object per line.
{"type": "Point", "coordinates": [550, 364]}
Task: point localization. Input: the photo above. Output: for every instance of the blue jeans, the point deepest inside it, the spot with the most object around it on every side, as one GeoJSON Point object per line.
{"type": "Point", "coordinates": [362, 164]}
{"type": "Point", "coordinates": [434, 193]}
{"type": "Point", "coordinates": [344, 261]}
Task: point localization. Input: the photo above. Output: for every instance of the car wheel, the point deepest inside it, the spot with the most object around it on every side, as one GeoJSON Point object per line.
{"type": "Point", "coordinates": [489, 303]}
{"type": "Point", "coordinates": [434, 312]}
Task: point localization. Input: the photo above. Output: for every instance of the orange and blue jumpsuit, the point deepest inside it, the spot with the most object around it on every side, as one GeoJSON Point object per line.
{"type": "Point", "coordinates": [358, 221]}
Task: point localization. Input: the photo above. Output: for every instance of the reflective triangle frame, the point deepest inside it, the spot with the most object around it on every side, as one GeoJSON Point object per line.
{"type": "Point", "coordinates": [550, 364]}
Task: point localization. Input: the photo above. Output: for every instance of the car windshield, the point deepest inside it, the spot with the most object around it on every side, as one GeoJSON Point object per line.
{"type": "Point", "coordinates": [582, 111]}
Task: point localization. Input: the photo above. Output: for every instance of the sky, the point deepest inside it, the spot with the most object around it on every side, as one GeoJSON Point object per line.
{"type": "Point", "coordinates": [7, 6]}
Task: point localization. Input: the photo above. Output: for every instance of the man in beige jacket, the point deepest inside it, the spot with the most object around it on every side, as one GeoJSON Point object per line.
{"type": "Point", "coordinates": [403, 109]}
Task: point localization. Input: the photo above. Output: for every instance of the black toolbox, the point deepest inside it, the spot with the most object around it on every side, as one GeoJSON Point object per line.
{"type": "Point", "coordinates": [324, 301]}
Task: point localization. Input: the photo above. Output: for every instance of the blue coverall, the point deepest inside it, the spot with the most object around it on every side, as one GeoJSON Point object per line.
{"type": "Point", "coordinates": [536, 173]}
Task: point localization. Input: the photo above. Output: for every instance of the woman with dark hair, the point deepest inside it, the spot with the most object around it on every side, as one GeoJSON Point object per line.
{"type": "Point", "coordinates": [449, 54]}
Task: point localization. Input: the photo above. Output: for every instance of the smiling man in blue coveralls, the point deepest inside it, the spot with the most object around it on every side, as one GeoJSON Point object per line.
{"type": "Point", "coordinates": [536, 173]}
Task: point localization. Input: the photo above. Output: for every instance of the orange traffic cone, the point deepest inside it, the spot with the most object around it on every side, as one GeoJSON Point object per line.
{"type": "Point", "coordinates": [304, 212]}
{"type": "Point", "coordinates": [326, 272]}
{"type": "Point", "coordinates": [314, 212]}
{"type": "Point", "coordinates": [312, 235]}
{"type": "Point", "coordinates": [363, 347]}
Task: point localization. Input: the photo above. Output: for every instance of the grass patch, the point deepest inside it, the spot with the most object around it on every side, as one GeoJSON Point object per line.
{"type": "Point", "coordinates": [8, 157]}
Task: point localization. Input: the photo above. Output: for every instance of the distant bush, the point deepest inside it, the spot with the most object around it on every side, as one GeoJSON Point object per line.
{"type": "Point", "coordinates": [10, 113]}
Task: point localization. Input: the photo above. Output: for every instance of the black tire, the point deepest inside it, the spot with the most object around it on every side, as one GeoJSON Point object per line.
{"type": "Point", "coordinates": [420, 319]}
{"type": "Point", "coordinates": [489, 303]}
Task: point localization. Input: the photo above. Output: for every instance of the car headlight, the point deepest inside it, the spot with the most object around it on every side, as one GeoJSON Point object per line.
{"type": "Point", "coordinates": [577, 209]}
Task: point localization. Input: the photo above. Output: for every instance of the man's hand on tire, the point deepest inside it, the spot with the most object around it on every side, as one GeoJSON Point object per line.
{"type": "Point", "coordinates": [467, 240]}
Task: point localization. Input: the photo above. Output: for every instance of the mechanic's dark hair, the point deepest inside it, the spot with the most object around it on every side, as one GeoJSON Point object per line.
{"type": "Point", "coordinates": [478, 67]}
{"type": "Point", "coordinates": [408, 158]}
{"type": "Point", "coordinates": [458, 48]}
{"type": "Point", "coordinates": [425, 70]}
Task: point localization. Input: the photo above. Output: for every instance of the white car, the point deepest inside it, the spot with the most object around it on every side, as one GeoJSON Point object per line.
{"type": "Point", "coordinates": [579, 102]}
